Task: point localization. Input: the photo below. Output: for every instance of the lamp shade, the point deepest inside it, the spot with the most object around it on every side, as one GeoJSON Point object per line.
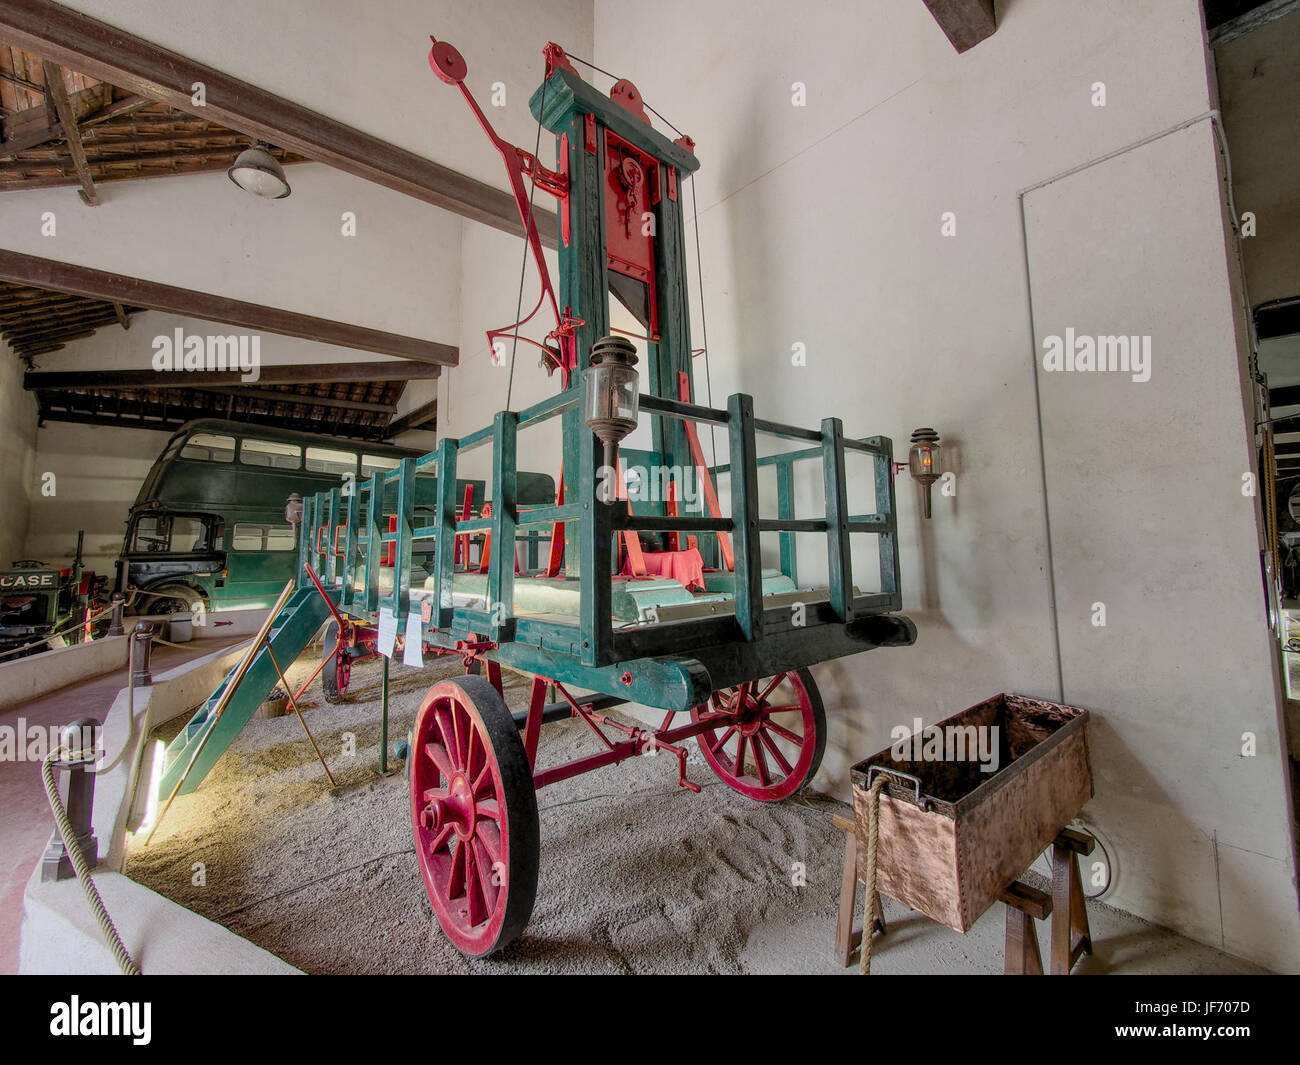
{"type": "Point", "coordinates": [257, 171]}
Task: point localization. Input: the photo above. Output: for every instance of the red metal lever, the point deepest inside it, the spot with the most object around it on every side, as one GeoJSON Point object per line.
{"type": "Point", "coordinates": [450, 66]}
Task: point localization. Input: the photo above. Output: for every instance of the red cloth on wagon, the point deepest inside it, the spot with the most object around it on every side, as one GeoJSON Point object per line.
{"type": "Point", "coordinates": [685, 567]}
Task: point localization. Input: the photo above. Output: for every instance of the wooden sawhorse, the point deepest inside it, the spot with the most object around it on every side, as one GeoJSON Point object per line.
{"type": "Point", "coordinates": [1070, 934]}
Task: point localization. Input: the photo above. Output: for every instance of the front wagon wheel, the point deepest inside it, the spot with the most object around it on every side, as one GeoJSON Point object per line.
{"type": "Point", "coordinates": [772, 741]}
{"type": "Point", "coordinates": [474, 815]}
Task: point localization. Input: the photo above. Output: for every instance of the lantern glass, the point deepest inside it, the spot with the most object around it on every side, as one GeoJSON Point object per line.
{"type": "Point", "coordinates": [612, 396]}
{"type": "Point", "coordinates": [924, 461]}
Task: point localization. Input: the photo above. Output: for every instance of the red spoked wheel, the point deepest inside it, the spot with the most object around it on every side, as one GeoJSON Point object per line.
{"type": "Point", "coordinates": [337, 675]}
{"type": "Point", "coordinates": [474, 815]}
{"type": "Point", "coordinates": [773, 741]}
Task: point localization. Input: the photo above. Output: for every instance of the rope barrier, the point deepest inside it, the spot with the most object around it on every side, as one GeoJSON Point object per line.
{"type": "Point", "coordinates": [69, 836]}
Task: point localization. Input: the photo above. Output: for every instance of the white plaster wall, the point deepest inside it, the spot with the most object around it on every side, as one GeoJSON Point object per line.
{"type": "Point", "coordinates": [1149, 520]}
{"type": "Point", "coordinates": [97, 473]}
{"type": "Point", "coordinates": [821, 225]}
{"type": "Point", "coordinates": [469, 395]}
{"type": "Point", "coordinates": [17, 452]}
{"type": "Point", "coordinates": [201, 231]}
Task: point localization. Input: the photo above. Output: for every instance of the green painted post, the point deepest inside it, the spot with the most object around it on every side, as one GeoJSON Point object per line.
{"type": "Point", "coordinates": [785, 510]}
{"type": "Point", "coordinates": [445, 555]}
{"type": "Point", "coordinates": [501, 568]}
{"type": "Point", "coordinates": [374, 549]}
{"type": "Point", "coordinates": [889, 566]}
{"type": "Point", "coordinates": [839, 560]}
{"type": "Point", "coordinates": [305, 527]}
{"type": "Point", "coordinates": [350, 546]}
{"type": "Point", "coordinates": [744, 515]}
{"type": "Point", "coordinates": [401, 598]}
{"type": "Point", "coordinates": [331, 523]}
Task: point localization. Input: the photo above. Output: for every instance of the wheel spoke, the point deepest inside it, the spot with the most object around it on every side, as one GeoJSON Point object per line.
{"type": "Point", "coordinates": [457, 750]}
{"type": "Point", "coordinates": [760, 763]}
{"type": "Point", "coordinates": [484, 863]}
{"type": "Point", "coordinates": [489, 835]}
{"type": "Point", "coordinates": [489, 808]}
{"type": "Point", "coordinates": [740, 756]}
{"type": "Point", "coordinates": [437, 754]}
{"type": "Point", "coordinates": [717, 745]}
{"type": "Point", "coordinates": [784, 733]}
{"type": "Point", "coordinates": [435, 795]}
{"type": "Point", "coordinates": [775, 751]}
{"type": "Point", "coordinates": [795, 708]}
{"type": "Point", "coordinates": [475, 903]}
{"type": "Point", "coordinates": [771, 687]}
{"type": "Point", "coordinates": [456, 880]}
{"type": "Point", "coordinates": [440, 840]}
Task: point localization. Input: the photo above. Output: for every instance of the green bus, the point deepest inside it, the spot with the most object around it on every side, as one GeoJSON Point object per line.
{"type": "Point", "coordinates": [208, 528]}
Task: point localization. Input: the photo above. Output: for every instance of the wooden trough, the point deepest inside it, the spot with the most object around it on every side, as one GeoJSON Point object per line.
{"type": "Point", "coordinates": [952, 835]}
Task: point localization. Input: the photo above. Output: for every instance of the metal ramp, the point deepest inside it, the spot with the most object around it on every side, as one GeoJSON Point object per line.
{"type": "Point", "coordinates": [294, 627]}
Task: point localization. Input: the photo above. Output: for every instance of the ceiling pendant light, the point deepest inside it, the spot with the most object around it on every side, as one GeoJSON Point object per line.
{"type": "Point", "coordinates": [257, 171]}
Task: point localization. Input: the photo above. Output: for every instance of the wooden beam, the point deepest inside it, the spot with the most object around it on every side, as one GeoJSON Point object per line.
{"type": "Point", "coordinates": [1228, 28]}
{"type": "Point", "coordinates": [964, 22]}
{"type": "Point", "coordinates": [122, 319]}
{"type": "Point", "coordinates": [298, 374]}
{"type": "Point", "coordinates": [298, 399]}
{"type": "Point", "coordinates": [72, 137]}
{"type": "Point", "coordinates": [414, 418]}
{"type": "Point", "coordinates": [132, 63]}
{"type": "Point", "coordinates": [20, 268]}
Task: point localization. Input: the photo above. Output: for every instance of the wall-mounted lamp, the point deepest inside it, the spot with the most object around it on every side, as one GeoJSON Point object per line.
{"type": "Point", "coordinates": [257, 171]}
{"type": "Point", "coordinates": [612, 393]}
{"type": "Point", "coordinates": [925, 461]}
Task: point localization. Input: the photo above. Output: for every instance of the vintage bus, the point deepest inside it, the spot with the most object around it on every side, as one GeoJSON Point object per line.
{"type": "Point", "coordinates": [208, 526]}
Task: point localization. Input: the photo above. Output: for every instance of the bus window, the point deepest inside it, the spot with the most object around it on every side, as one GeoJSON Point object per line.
{"type": "Point", "coordinates": [323, 460]}
{"type": "Point", "coordinates": [372, 464]}
{"type": "Point", "coordinates": [209, 447]}
{"type": "Point", "coordinates": [252, 537]}
{"type": "Point", "coordinates": [176, 533]}
{"type": "Point", "coordinates": [270, 453]}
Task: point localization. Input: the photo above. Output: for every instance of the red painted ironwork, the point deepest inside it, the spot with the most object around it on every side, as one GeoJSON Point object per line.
{"type": "Point", "coordinates": [448, 64]}
{"type": "Point", "coordinates": [748, 754]}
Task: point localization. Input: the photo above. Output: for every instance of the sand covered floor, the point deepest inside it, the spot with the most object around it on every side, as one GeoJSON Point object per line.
{"type": "Point", "coordinates": [637, 874]}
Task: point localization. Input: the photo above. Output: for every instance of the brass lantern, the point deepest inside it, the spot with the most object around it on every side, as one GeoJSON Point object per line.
{"type": "Point", "coordinates": [612, 392]}
{"type": "Point", "coordinates": [924, 461]}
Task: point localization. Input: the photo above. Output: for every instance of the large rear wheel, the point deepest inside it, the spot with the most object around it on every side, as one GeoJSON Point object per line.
{"type": "Point", "coordinates": [474, 815]}
{"type": "Point", "coordinates": [772, 739]}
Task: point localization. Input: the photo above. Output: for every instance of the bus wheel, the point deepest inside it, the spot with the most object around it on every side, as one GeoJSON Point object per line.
{"type": "Point", "coordinates": [336, 675]}
{"type": "Point", "coordinates": [172, 599]}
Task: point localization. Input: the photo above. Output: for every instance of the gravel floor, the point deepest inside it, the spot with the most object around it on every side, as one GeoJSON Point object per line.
{"type": "Point", "coordinates": [637, 874]}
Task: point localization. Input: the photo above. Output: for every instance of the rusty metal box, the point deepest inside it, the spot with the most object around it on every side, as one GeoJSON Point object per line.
{"type": "Point", "coordinates": [953, 836]}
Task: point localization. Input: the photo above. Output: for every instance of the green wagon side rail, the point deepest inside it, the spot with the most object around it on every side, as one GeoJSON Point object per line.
{"type": "Point", "coordinates": [673, 665]}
